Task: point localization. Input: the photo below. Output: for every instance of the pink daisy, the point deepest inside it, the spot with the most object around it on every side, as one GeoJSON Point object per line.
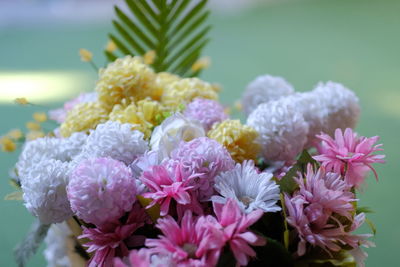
{"type": "Point", "coordinates": [349, 155]}
{"type": "Point", "coordinates": [234, 225]}
{"type": "Point", "coordinates": [328, 190]}
{"type": "Point", "coordinates": [167, 184]}
{"type": "Point", "coordinates": [189, 244]}
{"type": "Point", "coordinates": [113, 240]}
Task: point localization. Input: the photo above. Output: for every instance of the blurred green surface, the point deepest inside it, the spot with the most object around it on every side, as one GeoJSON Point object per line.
{"type": "Point", "coordinates": [354, 42]}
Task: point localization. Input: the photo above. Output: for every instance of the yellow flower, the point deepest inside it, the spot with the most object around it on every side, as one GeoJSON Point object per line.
{"type": "Point", "coordinates": [21, 101]}
{"type": "Point", "coordinates": [163, 79]}
{"type": "Point", "coordinates": [15, 134]}
{"type": "Point", "coordinates": [86, 55]}
{"type": "Point", "coordinates": [40, 116]}
{"type": "Point", "coordinates": [32, 135]}
{"type": "Point", "coordinates": [185, 90]}
{"type": "Point", "coordinates": [33, 126]}
{"type": "Point", "coordinates": [83, 117]}
{"type": "Point", "coordinates": [239, 139]}
{"type": "Point", "coordinates": [201, 63]}
{"type": "Point", "coordinates": [7, 145]}
{"type": "Point", "coordinates": [143, 115]}
{"type": "Point", "coordinates": [111, 46]}
{"type": "Point", "coordinates": [149, 57]}
{"type": "Point", "coordinates": [125, 78]}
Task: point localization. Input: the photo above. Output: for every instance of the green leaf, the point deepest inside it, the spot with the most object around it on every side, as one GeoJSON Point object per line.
{"type": "Point", "coordinates": [287, 183]}
{"type": "Point", "coordinates": [371, 225]}
{"type": "Point", "coordinates": [17, 195]}
{"type": "Point", "coordinates": [28, 247]}
{"type": "Point", "coordinates": [320, 258]}
{"type": "Point", "coordinates": [364, 210]}
{"type": "Point", "coordinates": [176, 30]}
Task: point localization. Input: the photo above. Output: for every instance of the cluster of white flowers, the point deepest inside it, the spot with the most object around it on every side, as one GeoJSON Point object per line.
{"type": "Point", "coordinates": [288, 122]}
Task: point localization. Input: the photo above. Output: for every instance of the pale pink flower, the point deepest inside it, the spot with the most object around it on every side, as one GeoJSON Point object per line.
{"type": "Point", "coordinates": [234, 225]}
{"type": "Point", "coordinates": [349, 155]}
{"type": "Point", "coordinates": [101, 190]}
{"type": "Point", "coordinates": [167, 184]}
{"type": "Point", "coordinates": [114, 239]}
{"type": "Point", "coordinates": [206, 111]}
{"type": "Point", "coordinates": [189, 244]}
{"type": "Point", "coordinates": [145, 258]}
{"type": "Point", "coordinates": [206, 158]}
{"type": "Point", "coordinates": [328, 190]}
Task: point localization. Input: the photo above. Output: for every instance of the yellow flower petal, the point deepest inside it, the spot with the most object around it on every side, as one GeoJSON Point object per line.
{"type": "Point", "coordinates": [111, 46]}
{"type": "Point", "coordinates": [33, 126]}
{"type": "Point", "coordinates": [85, 54]}
{"type": "Point", "coordinates": [7, 145]}
{"type": "Point", "coordinates": [201, 63]}
{"type": "Point", "coordinates": [40, 116]}
{"type": "Point", "coordinates": [149, 57]}
{"type": "Point", "coordinates": [21, 101]}
{"type": "Point", "coordinates": [15, 134]}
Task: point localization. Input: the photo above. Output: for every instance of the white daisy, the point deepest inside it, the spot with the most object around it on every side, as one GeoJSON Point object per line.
{"type": "Point", "coordinates": [252, 190]}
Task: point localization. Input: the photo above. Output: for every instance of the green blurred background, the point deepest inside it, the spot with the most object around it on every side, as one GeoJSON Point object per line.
{"type": "Point", "coordinates": [354, 42]}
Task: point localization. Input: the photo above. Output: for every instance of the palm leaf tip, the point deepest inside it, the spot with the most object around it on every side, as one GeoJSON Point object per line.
{"type": "Point", "coordinates": [176, 30]}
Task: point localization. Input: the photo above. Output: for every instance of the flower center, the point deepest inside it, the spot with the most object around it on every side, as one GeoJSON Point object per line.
{"type": "Point", "coordinates": [246, 200]}
{"type": "Point", "coordinates": [190, 249]}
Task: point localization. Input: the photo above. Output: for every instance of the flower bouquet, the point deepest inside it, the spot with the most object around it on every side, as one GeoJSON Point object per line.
{"type": "Point", "coordinates": [150, 170]}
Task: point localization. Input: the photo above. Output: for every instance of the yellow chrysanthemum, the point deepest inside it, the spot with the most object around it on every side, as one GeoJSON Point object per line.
{"type": "Point", "coordinates": [201, 63]}
{"type": "Point", "coordinates": [15, 134]}
{"type": "Point", "coordinates": [143, 115]}
{"type": "Point", "coordinates": [111, 46]}
{"type": "Point", "coordinates": [123, 79]}
{"type": "Point", "coordinates": [32, 135]}
{"type": "Point", "coordinates": [163, 79]}
{"type": "Point", "coordinates": [33, 126]}
{"type": "Point", "coordinates": [185, 90]}
{"type": "Point", "coordinates": [7, 144]}
{"type": "Point", "coordinates": [40, 116]}
{"type": "Point", "coordinates": [239, 139]}
{"type": "Point", "coordinates": [21, 101]}
{"type": "Point", "coordinates": [83, 117]}
{"type": "Point", "coordinates": [149, 57]}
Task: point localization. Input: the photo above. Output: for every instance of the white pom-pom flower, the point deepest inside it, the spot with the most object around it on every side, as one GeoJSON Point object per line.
{"type": "Point", "coordinates": [56, 251]}
{"type": "Point", "coordinates": [282, 129]}
{"type": "Point", "coordinates": [251, 190]}
{"type": "Point", "coordinates": [342, 109]}
{"type": "Point", "coordinates": [167, 136]}
{"type": "Point", "coordinates": [115, 140]}
{"type": "Point", "coordinates": [72, 146]}
{"type": "Point", "coordinates": [264, 89]}
{"type": "Point", "coordinates": [44, 193]}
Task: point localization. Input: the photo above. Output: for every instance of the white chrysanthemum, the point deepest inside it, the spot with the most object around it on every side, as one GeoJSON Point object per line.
{"type": "Point", "coordinates": [115, 140]}
{"type": "Point", "coordinates": [282, 129]}
{"type": "Point", "coordinates": [264, 89]}
{"type": "Point", "coordinates": [176, 128]}
{"type": "Point", "coordinates": [252, 190]}
{"type": "Point", "coordinates": [37, 151]}
{"type": "Point", "coordinates": [56, 251]}
{"type": "Point", "coordinates": [341, 106]}
{"type": "Point", "coordinates": [45, 193]}
{"type": "Point", "coordinates": [72, 146]}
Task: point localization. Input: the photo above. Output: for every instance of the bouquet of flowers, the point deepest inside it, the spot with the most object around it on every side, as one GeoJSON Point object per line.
{"type": "Point", "coordinates": [150, 170]}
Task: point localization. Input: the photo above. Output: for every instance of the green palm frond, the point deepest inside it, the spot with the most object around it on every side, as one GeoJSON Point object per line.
{"type": "Point", "coordinates": [175, 29]}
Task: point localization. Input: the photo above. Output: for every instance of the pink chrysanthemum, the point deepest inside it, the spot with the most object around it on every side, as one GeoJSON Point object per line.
{"type": "Point", "coordinates": [189, 244]}
{"type": "Point", "coordinates": [205, 157]}
{"type": "Point", "coordinates": [349, 155]}
{"type": "Point", "coordinates": [114, 240]}
{"type": "Point", "coordinates": [101, 190]}
{"type": "Point", "coordinates": [328, 190]}
{"type": "Point", "coordinates": [167, 184]}
{"type": "Point", "coordinates": [234, 225]}
{"type": "Point", "coordinates": [145, 258]}
{"type": "Point", "coordinates": [206, 111]}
